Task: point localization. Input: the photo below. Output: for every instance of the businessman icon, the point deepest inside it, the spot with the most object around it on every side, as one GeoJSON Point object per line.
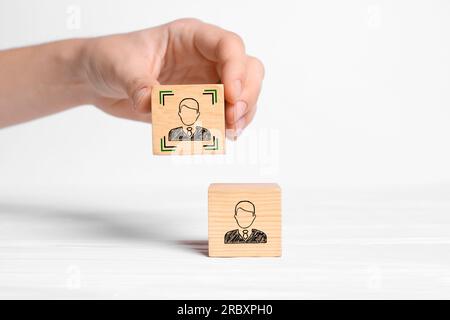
{"type": "Point", "coordinates": [189, 112]}
{"type": "Point", "coordinates": [245, 215]}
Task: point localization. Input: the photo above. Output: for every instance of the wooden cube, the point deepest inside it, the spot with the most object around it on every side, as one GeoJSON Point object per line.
{"type": "Point", "coordinates": [188, 119]}
{"type": "Point", "coordinates": [244, 220]}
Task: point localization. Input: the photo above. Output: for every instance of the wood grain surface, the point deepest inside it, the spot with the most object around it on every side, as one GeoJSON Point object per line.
{"type": "Point", "coordinates": [222, 202]}
{"type": "Point", "coordinates": [166, 104]}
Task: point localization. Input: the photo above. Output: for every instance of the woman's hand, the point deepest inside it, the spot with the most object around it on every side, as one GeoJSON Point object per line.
{"type": "Point", "coordinates": [122, 69]}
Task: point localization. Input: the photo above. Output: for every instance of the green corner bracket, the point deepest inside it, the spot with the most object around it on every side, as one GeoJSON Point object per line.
{"type": "Point", "coordinates": [213, 93]}
{"type": "Point", "coordinates": [166, 148]}
{"type": "Point", "coordinates": [163, 94]}
{"type": "Point", "coordinates": [212, 147]}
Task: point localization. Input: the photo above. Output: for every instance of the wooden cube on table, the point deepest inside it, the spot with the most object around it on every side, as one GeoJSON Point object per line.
{"type": "Point", "coordinates": [244, 220]}
{"type": "Point", "coordinates": [188, 119]}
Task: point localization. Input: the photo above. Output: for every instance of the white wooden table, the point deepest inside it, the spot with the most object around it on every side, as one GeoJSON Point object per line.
{"type": "Point", "coordinates": [134, 243]}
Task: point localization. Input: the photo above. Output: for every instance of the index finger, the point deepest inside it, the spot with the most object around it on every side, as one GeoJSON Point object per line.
{"type": "Point", "coordinates": [227, 50]}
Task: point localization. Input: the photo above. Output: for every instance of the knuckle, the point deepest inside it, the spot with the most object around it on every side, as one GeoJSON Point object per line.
{"type": "Point", "coordinates": [258, 65]}
{"type": "Point", "coordinates": [234, 37]}
{"type": "Point", "coordinates": [186, 22]}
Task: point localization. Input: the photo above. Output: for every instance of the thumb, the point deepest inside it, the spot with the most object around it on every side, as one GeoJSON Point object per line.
{"type": "Point", "coordinates": [140, 92]}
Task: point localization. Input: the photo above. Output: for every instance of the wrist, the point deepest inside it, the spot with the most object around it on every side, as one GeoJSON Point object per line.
{"type": "Point", "coordinates": [74, 57]}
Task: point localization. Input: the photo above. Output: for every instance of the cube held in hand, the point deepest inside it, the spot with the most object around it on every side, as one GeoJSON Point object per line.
{"type": "Point", "coordinates": [188, 119]}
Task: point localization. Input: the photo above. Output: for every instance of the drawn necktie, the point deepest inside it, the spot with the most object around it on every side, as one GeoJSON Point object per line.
{"type": "Point", "coordinates": [245, 234]}
{"type": "Point", "coordinates": [189, 131]}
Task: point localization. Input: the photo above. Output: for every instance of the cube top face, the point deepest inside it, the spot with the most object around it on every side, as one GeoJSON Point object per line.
{"type": "Point", "coordinates": [244, 220]}
{"type": "Point", "coordinates": [188, 119]}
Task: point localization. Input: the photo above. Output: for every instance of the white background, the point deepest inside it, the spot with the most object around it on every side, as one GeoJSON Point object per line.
{"type": "Point", "coordinates": [353, 123]}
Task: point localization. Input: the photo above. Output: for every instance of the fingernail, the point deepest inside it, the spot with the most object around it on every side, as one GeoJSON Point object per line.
{"type": "Point", "coordinates": [240, 125]}
{"type": "Point", "coordinates": [240, 110]}
{"type": "Point", "coordinates": [237, 88]}
{"type": "Point", "coordinates": [230, 134]}
{"type": "Point", "coordinates": [138, 97]}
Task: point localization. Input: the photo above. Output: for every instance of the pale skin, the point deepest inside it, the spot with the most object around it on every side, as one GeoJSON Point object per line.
{"type": "Point", "coordinates": [116, 73]}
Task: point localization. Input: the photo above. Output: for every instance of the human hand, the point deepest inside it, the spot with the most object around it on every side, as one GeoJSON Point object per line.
{"type": "Point", "coordinates": [122, 69]}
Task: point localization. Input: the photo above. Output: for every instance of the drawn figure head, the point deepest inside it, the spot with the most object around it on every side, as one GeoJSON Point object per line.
{"type": "Point", "coordinates": [188, 111]}
{"type": "Point", "coordinates": [244, 213]}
